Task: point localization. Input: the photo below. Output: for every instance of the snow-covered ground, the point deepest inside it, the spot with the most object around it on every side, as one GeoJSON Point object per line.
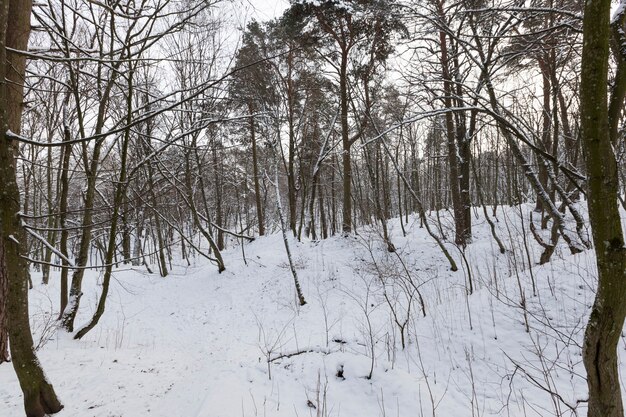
{"type": "Point", "coordinates": [199, 343]}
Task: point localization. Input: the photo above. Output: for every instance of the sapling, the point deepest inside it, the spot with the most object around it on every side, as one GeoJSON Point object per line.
{"type": "Point", "coordinates": [367, 306]}
{"type": "Point", "coordinates": [269, 343]}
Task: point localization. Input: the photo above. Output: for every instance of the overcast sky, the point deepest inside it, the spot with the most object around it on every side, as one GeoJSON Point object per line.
{"type": "Point", "coordinates": [262, 10]}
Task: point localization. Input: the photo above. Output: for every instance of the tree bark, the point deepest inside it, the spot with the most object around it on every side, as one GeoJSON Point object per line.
{"type": "Point", "coordinates": [118, 203]}
{"type": "Point", "coordinates": [63, 204]}
{"type": "Point", "coordinates": [255, 170]}
{"type": "Point", "coordinates": [4, 292]}
{"type": "Point", "coordinates": [451, 134]}
{"type": "Point", "coordinates": [39, 396]}
{"type": "Point", "coordinates": [217, 169]}
{"type": "Point", "coordinates": [609, 310]}
{"type": "Point", "coordinates": [291, 173]}
{"type": "Point", "coordinates": [545, 133]}
{"type": "Point", "coordinates": [346, 160]}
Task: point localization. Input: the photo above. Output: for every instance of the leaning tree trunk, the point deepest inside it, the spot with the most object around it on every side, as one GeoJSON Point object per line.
{"type": "Point", "coordinates": [39, 396]}
{"type": "Point", "coordinates": [118, 202]}
{"type": "Point", "coordinates": [598, 130]}
{"type": "Point", "coordinates": [92, 169]}
{"type": "Point", "coordinates": [283, 228]}
{"type": "Point", "coordinates": [68, 315]}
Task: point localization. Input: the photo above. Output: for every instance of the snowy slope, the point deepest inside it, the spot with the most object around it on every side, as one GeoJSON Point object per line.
{"type": "Point", "coordinates": [197, 343]}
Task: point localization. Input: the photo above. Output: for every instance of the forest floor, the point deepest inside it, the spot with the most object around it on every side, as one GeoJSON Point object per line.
{"type": "Point", "coordinates": [203, 344]}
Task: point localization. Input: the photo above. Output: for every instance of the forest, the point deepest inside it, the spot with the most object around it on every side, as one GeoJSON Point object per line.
{"type": "Point", "coordinates": [341, 208]}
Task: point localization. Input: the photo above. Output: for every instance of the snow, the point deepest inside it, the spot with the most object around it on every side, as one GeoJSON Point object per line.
{"type": "Point", "coordinates": [197, 343]}
{"type": "Point", "coordinates": [618, 11]}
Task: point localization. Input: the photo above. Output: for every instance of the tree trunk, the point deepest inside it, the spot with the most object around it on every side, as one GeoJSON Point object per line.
{"type": "Point", "coordinates": [118, 203]}
{"type": "Point", "coordinates": [453, 151]}
{"type": "Point", "coordinates": [51, 221]}
{"type": "Point", "coordinates": [92, 169]}
{"type": "Point", "coordinates": [609, 310]}
{"type": "Point", "coordinates": [205, 231]}
{"type": "Point", "coordinates": [217, 169]}
{"type": "Point", "coordinates": [39, 396]}
{"type": "Point", "coordinates": [160, 241]}
{"type": "Point", "coordinates": [4, 293]}
{"type": "Point", "coordinates": [323, 225]}
{"type": "Point", "coordinates": [126, 229]}
{"type": "Point", "coordinates": [310, 227]}
{"type": "Point", "coordinates": [346, 225]}
{"type": "Point", "coordinates": [464, 141]}
{"type": "Point", "coordinates": [137, 243]}
{"type": "Point", "coordinates": [281, 217]}
{"type": "Point", "coordinates": [64, 179]}
{"type": "Point", "coordinates": [291, 174]}
{"type": "Point", "coordinates": [333, 198]}
{"type": "Point", "coordinates": [69, 314]}
{"type": "Point", "coordinates": [545, 134]}
{"type": "Point", "coordinates": [255, 170]}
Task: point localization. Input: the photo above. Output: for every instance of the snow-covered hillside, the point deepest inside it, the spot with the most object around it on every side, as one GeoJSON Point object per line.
{"type": "Point", "coordinates": [203, 344]}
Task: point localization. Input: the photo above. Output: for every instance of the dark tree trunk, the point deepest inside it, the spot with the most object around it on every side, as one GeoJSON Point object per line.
{"type": "Point", "coordinates": [64, 191]}
{"type": "Point", "coordinates": [545, 134]}
{"type": "Point", "coordinates": [291, 173]}
{"type": "Point", "coordinates": [39, 396]}
{"type": "Point", "coordinates": [599, 130]}
{"type": "Point", "coordinates": [217, 169]}
{"type": "Point", "coordinates": [346, 160]}
{"type": "Point", "coordinates": [4, 293]}
{"type": "Point", "coordinates": [126, 229]}
{"type": "Point", "coordinates": [118, 204]}
{"type": "Point", "coordinates": [255, 171]}
{"type": "Point", "coordinates": [453, 151]}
